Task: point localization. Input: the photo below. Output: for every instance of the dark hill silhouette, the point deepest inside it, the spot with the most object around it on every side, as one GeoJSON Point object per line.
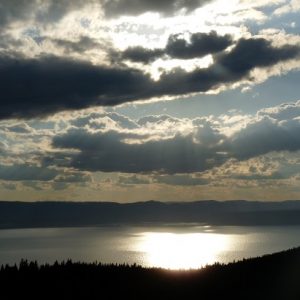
{"type": "Point", "coordinates": [64, 214]}
{"type": "Point", "coordinates": [271, 277]}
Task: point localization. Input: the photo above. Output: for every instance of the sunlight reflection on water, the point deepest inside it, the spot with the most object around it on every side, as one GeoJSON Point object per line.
{"type": "Point", "coordinates": [182, 251]}
{"type": "Point", "coordinates": [178, 246]}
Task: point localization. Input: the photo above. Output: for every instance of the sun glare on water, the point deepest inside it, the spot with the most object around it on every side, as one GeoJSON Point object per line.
{"type": "Point", "coordinates": [181, 251]}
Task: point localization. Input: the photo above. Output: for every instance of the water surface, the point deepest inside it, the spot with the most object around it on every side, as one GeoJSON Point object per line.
{"type": "Point", "coordinates": [181, 246]}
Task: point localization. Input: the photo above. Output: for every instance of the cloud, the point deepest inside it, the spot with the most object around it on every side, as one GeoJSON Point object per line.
{"type": "Point", "coordinates": [228, 67]}
{"type": "Point", "coordinates": [176, 180]}
{"type": "Point", "coordinates": [157, 119]}
{"type": "Point", "coordinates": [189, 146]}
{"type": "Point", "coordinates": [42, 11]}
{"type": "Point", "coordinates": [108, 153]}
{"type": "Point", "coordinates": [100, 120]}
{"type": "Point", "coordinates": [265, 135]}
{"type": "Point", "coordinates": [35, 185]}
{"type": "Point", "coordinates": [282, 112]}
{"type": "Point", "coordinates": [29, 169]}
{"type": "Point", "coordinates": [113, 8]}
{"type": "Point", "coordinates": [184, 180]}
{"type": "Point", "coordinates": [274, 166]}
{"type": "Point", "coordinates": [51, 11]}
{"type": "Point", "coordinates": [291, 7]}
{"type": "Point", "coordinates": [155, 150]}
{"type": "Point", "coordinates": [271, 176]}
{"type": "Point", "coordinates": [20, 128]}
{"type": "Point", "coordinates": [251, 53]}
{"type": "Point", "coordinates": [26, 172]}
{"type": "Point", "coordinates": [83, 44]}
{"type": "Point", "coordinates": [140, 54]}
{"type": "Point", "coordinates": [58, 186]}
{"type": "Point", "coordinates": [14, 10]}
{"type": "Point", "coordinates": [3, 147]}
{"type": "Point", "coordinates": [51, 84]}
{"type": "Point", "coordinates": [72, 177]}
{"type": "Point", "coordinates": [9, 186]}
{"type": "Point", "coordinates": [46, 11]}
{"type": "Point", "coordinates": [132, 180]}
{"type": "Point", "coordinates": [199, 45]}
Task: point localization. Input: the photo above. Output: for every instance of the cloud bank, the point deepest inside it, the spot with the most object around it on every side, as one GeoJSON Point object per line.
{"type": "Point", "coordinates": [197, 145]}
{"type": "Point", "coordinates": [49, 84]}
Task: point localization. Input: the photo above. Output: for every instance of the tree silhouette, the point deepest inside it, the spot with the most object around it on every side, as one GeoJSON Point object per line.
{"type": "Point", "coordinates": [275, 276]}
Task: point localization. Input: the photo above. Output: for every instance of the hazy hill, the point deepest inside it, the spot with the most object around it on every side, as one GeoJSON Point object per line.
{"type": "Point", "coordinates": [56, 214]}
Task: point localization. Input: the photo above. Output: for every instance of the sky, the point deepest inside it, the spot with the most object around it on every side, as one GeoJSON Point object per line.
{"type": "Point", "coordinates": [136, 100]}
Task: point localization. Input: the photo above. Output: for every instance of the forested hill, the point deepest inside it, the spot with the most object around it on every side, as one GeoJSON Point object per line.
{"type": "Point", "coordinates": [272, 277]}
{"type": "Point", "coordinates": [60, 214]}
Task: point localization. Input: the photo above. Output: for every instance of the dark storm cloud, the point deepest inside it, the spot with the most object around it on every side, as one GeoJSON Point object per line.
{"type": "Point", "coordinates": [114, 8]}
{"type": "Point", "coordinates": [35, 87]}
{"type": "Point", "coordinates": [200, 44]}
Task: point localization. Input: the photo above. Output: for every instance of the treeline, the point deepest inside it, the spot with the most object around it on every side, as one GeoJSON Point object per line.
{"type": "Point", "coordinates": [275, 276]}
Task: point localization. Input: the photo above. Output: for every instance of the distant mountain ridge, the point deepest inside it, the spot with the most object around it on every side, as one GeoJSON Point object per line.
{"type": "Point", "coordinates": [73, 214]}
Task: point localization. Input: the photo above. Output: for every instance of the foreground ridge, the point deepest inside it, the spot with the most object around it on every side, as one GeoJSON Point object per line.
{"type": "Point", "coordinates": [274, 276]}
